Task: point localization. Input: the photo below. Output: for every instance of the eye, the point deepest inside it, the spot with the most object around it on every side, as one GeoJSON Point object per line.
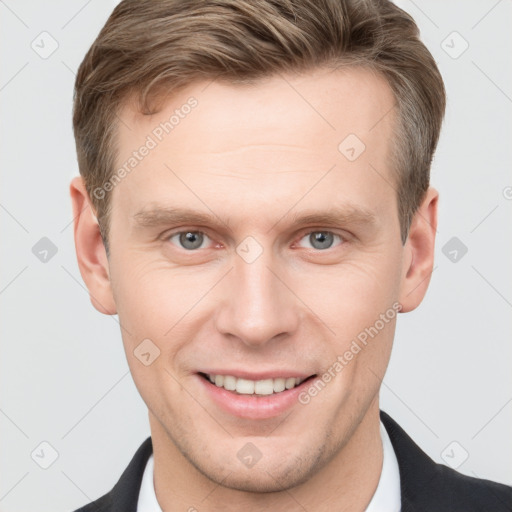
{"type": "Point", "coordinates": [321, 240]}
{"type": "Point", "coordinates": [189, 240]}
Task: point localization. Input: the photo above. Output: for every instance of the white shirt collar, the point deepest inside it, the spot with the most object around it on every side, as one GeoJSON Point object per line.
{"type": "Point", "coordinates": [147, 497]}
{"type": "Point", "coordinates": [385, 499]}
{"type": "Point", "coordinates": [387, 495]}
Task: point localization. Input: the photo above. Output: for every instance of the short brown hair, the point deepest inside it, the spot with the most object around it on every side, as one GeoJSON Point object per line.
{"type": "Point", "coordinates": [147, 47]}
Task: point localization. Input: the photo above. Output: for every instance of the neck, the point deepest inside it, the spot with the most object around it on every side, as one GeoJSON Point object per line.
{"type": "Point", "coordinates": [346, 483]}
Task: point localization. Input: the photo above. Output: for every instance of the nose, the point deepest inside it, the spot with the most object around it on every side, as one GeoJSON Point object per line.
{"type": "Point", "coordinates": [257, 305]}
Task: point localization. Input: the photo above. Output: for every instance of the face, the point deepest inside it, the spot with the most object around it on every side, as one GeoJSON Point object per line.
{"type": "Point", "coordinates": [256, 244]}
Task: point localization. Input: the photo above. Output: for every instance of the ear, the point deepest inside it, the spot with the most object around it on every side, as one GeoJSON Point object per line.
{"type": "Point", "coordinates": [419, 253]}
{"type": "Point", "coordinates": [90, 251]}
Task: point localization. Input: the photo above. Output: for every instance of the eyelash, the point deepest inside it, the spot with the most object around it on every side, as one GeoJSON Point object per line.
{"type": "Point", "coordinates": [343, 238]}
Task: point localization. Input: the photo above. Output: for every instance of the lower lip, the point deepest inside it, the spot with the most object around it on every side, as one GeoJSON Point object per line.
{"type": "Point", "coordinates": [254, 407]}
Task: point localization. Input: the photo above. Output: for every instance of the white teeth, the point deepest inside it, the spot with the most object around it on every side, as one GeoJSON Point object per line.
{"type": "Point", "coordinates": [264, 387]}
{"type": "Point", "coordinates": [279, 385]}
{"type": "Point", "coordinates": [229, 383]}
{"type": "Point", "coordinates": [254, 387]}
{"type": "Point", "coordinates": [289, 383]}
{"type": "Point", "coordinates": [245, 387]}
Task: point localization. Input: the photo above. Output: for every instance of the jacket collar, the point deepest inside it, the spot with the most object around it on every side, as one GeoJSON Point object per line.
{"type": "Point", "coordinates": [415, 466]}
{"type": "Point", "coordinates": [125, 494]}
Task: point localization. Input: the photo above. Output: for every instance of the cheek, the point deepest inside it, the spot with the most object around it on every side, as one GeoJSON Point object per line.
{"type": "Point", "coordinates": [352, 294]}
{"type": "Point", "coordinates": [150, 296]}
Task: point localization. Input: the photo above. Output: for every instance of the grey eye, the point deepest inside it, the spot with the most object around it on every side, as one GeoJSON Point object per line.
{"type": "Point", "coordinates": [321, 240]}
{"type": "Point", "coordinates": [190, 239]}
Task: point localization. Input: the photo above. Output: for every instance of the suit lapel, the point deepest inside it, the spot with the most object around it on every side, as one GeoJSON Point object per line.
{"type": "Point", "coordinates": [416, 468]}
{"type": "Point", "coordinates": [125, 494]}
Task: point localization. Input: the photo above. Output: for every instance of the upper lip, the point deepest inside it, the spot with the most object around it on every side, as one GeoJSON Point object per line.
{"type": "Point", "coordinates": [262, 375]}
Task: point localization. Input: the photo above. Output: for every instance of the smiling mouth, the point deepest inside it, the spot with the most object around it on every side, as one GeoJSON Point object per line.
{"type": "Point", "coordinates": [263, 387]}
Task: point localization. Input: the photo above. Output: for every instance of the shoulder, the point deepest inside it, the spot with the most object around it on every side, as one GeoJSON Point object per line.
{"type": "Point", "coordinates": [124, 495]}
{"type": "Point", "coordinates": [426, 485]}
{"type": "Point", "coordinates": [455, 489]}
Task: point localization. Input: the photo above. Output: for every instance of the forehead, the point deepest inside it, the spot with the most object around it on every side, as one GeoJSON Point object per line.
{"type": "Point", "coordinates": [266, 141]}
{"type": "Point", "coordinates": [327, 101]}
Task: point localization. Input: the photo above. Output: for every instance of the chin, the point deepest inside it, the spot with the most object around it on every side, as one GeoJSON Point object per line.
{"type": "Point", "coordinates": [263, 480]}
{"type": "Point", "coordinates": [280, 472]}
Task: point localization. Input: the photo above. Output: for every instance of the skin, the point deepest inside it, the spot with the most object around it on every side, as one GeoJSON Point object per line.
{"type": "Point", "coordinates": [256, 156]}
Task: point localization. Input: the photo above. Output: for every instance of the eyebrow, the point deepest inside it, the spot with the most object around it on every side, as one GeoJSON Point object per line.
{"type": "Point", "coordinates": [159, 216]}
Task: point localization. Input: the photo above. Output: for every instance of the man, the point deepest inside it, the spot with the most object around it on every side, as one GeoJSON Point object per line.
{"type": "Point", "coordinates": [254, 204]}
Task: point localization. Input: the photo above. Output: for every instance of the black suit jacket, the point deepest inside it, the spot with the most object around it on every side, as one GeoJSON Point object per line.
{"type": "Point", "coordinates": [425, 485]}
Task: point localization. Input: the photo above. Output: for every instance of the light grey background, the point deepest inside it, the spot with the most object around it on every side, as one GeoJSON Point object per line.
{"type": "Point", "coordinates": [64, 376]}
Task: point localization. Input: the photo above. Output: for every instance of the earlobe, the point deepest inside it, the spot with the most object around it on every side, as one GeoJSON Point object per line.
{"type": "Point", "coordinates": [90, 250]}
{"type": "Point", "coordinates": [418, 259]}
